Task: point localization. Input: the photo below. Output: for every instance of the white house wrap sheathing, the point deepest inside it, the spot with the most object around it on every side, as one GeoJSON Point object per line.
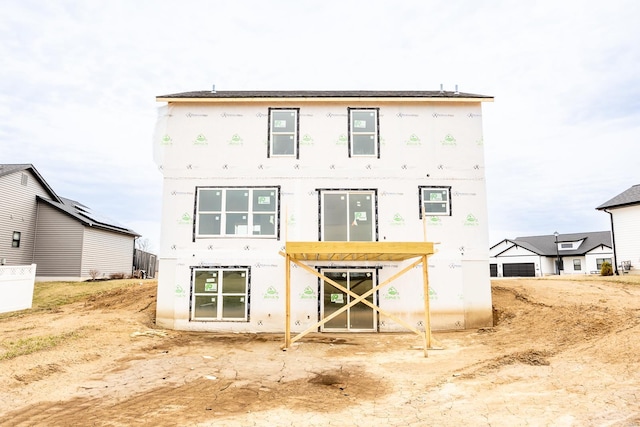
{"type": "Point", "coordinates": [421, 144]}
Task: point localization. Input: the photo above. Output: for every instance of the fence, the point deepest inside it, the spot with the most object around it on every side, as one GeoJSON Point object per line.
{"type": "Point", "coordinates": [16, 287]}
{"type": "Point", "coordinates": [145, 263]}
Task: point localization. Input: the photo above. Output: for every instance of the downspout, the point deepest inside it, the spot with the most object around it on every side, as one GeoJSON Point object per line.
{"type": "Point", "coordinates": [613, 243]}
{"type": "Point", "coordinates": [35, 235]}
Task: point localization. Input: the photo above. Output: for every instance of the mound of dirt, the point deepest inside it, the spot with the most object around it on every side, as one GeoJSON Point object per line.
{"type": "Point", "coordinates": [560, 352]}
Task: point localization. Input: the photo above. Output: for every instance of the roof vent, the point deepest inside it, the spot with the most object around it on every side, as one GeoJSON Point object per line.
{"type": "Point", "coordinates": [456, 92]}
{"type": "Point", "coordinates": [213, 89]}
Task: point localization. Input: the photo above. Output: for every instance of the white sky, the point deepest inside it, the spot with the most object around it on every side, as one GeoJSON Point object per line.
{"type": "Point", "coordinates": [78, 81]}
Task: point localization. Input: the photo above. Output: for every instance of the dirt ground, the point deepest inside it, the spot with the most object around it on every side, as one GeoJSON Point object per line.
{"type": "Point", "coordinates": [561, 353]}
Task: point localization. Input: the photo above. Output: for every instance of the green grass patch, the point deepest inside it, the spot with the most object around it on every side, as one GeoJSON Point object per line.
{"type": "Point", "coordinates": [31, 345]}
{"type": "Point", "coordinates": [49, 296]}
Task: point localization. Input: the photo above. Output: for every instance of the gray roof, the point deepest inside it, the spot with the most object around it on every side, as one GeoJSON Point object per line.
{"type": "Point", "coordinates": [70, 207]}
{"type": "Point", "coordinates": [546, 245]}
{"type": "Point", "coordinates": [324, 94]}
{"type": "Point", "coordinates": [626, 198]}
{"type": "Point", "coordinates": [87, 216]}
{"type": "Point", "coordinates": [7, 169]}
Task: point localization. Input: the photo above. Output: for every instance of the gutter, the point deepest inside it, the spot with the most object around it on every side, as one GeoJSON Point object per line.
{"type": "Point", "coordinates": [613, 243]}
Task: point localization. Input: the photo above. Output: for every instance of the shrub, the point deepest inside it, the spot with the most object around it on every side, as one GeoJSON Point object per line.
{"type": "Point", "coordinates": [93, 273]}
{"type": "Point", "coordinates": [117, 276]}
{"type": "Point", "coordinates": [606, 269]}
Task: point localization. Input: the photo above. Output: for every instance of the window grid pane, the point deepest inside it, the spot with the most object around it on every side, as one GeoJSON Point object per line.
{"type": "Point", "coordinates": [220, 294]}
{"type": "Point", "coordinates": [240, 212]}
{"type": "Point", "coordinates": [283, 134]}
{"type": "Point", "coordinates": [435, 201]}
{"type": "Point", "coordinates": [363, 125]}
{"type": "Point", "coordinates": [348, 216]}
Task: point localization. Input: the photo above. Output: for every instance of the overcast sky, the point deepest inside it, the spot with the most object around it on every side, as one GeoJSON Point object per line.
{"type": "Point", "coordinates": [78, 81]}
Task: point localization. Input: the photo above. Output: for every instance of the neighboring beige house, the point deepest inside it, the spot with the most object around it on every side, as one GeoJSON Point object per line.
{"type": "Point", "coordinates": [249, 173]}
{"type": "Point", "coordinates": [64, 238]}
{"type": "Point", "coordinates": [537, 256]}
{"type": "Point", "coordinates": [624, 212]}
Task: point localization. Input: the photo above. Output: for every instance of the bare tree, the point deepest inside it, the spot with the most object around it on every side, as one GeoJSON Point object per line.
{"type": "Point", "coordinates": [143, 244]}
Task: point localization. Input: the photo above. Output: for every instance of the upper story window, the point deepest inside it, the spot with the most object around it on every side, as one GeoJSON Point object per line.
{"type": "Point", "coordinates": [15, 242]}
{"type": "Point", "coordinates": [283, 132]}
{"type": "Point", "coordinates": [237, 212]}
{"type": "Point", "coordinates": [435, 200]}
{"type": "Point", "coordinates": [363, 132]}
{"type": "Point", "coordinates": [348, 215]}
{"type": "Point", "coordinates": [24, 179]}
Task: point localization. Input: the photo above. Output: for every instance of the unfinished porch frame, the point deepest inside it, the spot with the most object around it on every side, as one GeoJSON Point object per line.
{"type": "Point", "coordinates": [301, 252]}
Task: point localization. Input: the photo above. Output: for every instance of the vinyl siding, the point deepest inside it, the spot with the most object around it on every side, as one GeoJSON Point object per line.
{"type": "Point", "coordinates": [106, 252]}
{"type": "Point", "coordinates": [18, 210]}
{"type": "Point", "coordinates": [59, 246]}
{"type": "Point", "coordinates": [627, 234]}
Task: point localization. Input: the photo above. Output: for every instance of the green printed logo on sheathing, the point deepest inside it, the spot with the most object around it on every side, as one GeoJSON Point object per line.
{"type": "Point", "coordinates": [480, 141]}
{"type": "Point", "coordinates": [342, 140]}
{"type": "Point", "coordinates": [184, 219]}
{"type": "Point", "coordinates": [392, 293]}
{"type": "Point", "coordinates": [413, 140]}
{"type": "Point", "coordinates": [308, 293]}
{"type": "Point", "coordinates": [180, 292]}
{"type": "Point", "coordinates": [291, 220]}
{"type": "Point", "coordinates": [271, 293]}
{"type": "Point", "coordinates": [235, 140]}
{"type": "Point", "coordinates": [200, 140]}
{"type": "Point", "coordinates": [306, 140]}
{"type": "Point", "coordinates": [471, 220]}
{"type": "Point", "coordinates": [448, 140]}
{"type": "Point", "coordinates": [166, 140]}
{"type": "Point", "coordinates": [433, 295]}
{"type": "Point", "coordinates": [397, 220]}
{"type": "Point", "coordinates": [434, 220]}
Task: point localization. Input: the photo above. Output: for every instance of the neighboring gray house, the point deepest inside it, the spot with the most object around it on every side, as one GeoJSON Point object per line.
{"type": "Point", "coordinates": [537, 256]}
{"type": "Point", "coordinates": [624, 211]}
{"type": "Point", "coordinates": [64, 238]}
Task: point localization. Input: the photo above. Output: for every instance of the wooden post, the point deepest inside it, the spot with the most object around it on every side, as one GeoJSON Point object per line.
{"type": "Point", "coordinates": [427, 310]}
{"type": "Point", "coordinates": [287, 326]}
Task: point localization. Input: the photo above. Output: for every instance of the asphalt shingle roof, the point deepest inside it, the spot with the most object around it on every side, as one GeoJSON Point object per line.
{"type": "Point", "coordinates": [323, 94]}
{"type": "Point", "coordinates": [628, 197]}
{"type": "Point", "coordinates": [546, 245]}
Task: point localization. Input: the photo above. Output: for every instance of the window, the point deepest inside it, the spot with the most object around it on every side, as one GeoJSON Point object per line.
{"type": "Point", "coordinates": [577, 266]}
{"type": "Point", "coordinates": [348, 216]}
{"type": "Point", "coordinates": [599, 262]}
{"type": "Point", "coordinates": [237, 211]}
{"type": "Point", "coordinates": [363, 132]}
{"type": "Point", "coordinates": [566, 245]}
{"type": "Point", "coordinates": [283, 132]}
{"type": "Point", "coordinates": [15, 242]}
{"type": "Point", "coordinates": [24, 179]}
{"type": "Point", "coordinates": [220, 293]}
{"type": "Point", "coordinates": [435, 200]}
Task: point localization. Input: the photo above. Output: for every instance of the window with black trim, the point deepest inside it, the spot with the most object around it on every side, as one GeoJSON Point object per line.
{"type": "Point", "coordinates": [363, 132]}
{"type": "Point", "coordinates": [348, 215]}
{"type": "Point", "coordinates": [577, 265]}
{"type": "Point", "coordinates": [283, 132]}
{"type": "Point", "coordinates": [435, 200]}
{"type": "Point", "coordinates": [220, 293]}
{"type": "Point", "coordinates": [237, 212]}
{"type": "Point", "coordinates": [15, 242]}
